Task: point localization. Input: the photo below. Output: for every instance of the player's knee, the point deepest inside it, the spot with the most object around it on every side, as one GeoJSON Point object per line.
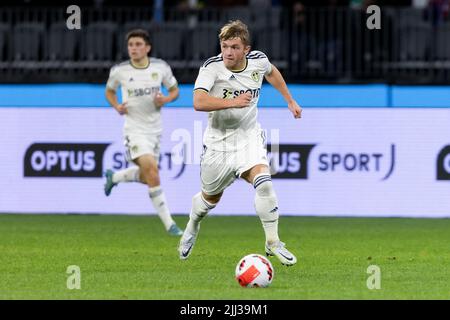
{"type": "Point", "coordinates": [150, 177]}
{"type": "Point", "coordinates": [213, 199]}
{"type": "Point", "coordinates": [154, 181]}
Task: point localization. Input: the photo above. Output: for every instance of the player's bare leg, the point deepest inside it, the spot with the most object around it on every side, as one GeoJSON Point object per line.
{"type": "Point", "coordinates": [266, 205]}
{"type": "Point", "coordinates": [202, 203]}
{"type": "Point", "coordinates": [149, 174]}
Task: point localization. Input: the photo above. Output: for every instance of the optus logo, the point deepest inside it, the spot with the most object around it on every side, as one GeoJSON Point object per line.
{"type": "Point", "coordinates": [64, 160]}
{"type": "Point", "coordinates": [289, 161]}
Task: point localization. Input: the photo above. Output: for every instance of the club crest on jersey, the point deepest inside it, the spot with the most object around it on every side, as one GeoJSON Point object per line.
{"type": "Point", "coordinates": [255, 76]}
{"type": "Point", "coordinates": [154, 76]}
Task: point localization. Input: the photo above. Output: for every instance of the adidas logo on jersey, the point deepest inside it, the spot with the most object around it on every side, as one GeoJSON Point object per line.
{"type": "Point", "coordinates": [131, 79]}
{"type": "Point", "coordinates": [232, 77]}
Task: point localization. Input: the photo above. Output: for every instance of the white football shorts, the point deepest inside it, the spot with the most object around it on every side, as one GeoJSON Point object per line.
{"type": "Point", "coordinates": [219, 169]}
{"type": "Point", "coordinates": [137, 145]}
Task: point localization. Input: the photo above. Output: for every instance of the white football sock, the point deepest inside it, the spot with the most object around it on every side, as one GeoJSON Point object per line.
{"type": "Point", "coordinates": [160, 204]}
{"type": "Point", "coordinates": [200, 208]}
{"type": "Point", "coordinates": [130, 174]}
{"type": "Point", "coordinates": [266, 206]}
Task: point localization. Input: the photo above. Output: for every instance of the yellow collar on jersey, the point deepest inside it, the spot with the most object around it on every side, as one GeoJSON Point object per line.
{"type": "Point", "coordinates": [138, 67]}
{"type": "Point", "coordinates": [245, 67]}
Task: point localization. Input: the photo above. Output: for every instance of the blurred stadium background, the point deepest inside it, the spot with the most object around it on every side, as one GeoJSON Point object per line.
{"type": "Point", "coordinates": [374, 140]}
{"type": "Point", "coordinates": [311, 41]}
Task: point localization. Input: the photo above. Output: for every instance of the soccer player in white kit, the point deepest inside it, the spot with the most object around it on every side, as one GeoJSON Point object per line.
{"type": "Point", "coordinates": [228, 87]}
{"type": "Point", "coordinates": [140, 79]}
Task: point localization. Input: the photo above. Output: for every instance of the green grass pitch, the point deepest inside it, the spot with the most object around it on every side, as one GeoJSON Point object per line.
{"type": "Point", "coordinates": [131, 257]}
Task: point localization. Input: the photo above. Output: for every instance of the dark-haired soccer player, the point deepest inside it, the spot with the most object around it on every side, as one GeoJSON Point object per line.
{"type": "Point", "coordinates": [140, 79]}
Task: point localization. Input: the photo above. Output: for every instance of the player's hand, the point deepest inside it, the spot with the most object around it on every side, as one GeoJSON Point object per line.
{"type": "Point", "coordinates": [295, 109]}
{"type": "Point", "coordinates": [122, 108]}
{"type": "Point", "coordinates": [243, 100]}
{"type": "Point", "coordinates": [160, 100]}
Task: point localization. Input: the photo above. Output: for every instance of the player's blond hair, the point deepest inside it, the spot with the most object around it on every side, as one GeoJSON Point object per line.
{"type": "Point", "coordinates": [235, 29]}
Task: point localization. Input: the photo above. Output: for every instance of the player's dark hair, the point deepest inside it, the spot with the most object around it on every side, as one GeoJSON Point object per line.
{"type": "Point", "coordinates": [139, 33]}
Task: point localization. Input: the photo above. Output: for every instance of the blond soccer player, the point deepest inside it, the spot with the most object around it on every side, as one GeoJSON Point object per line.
{"type": "Point", "coordinates": [228, 87]}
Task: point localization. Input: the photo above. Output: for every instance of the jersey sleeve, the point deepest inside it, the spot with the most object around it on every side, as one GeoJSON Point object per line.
{"type": "Point", "coordinates": [169, 79]}
{"type": "Point", "coordinates": [113, 80]}
{"type": "Point", "coordinates": [265, 64]}
{"type": "Point", "coordinates": [205, 79]}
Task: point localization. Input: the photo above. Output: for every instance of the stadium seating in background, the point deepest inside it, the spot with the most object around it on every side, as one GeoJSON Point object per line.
{"type": "Point", "coordinates": [274, 42]}
{"type": "Point", "coordinates": [5, 31]}
{"type": "Point", "coordinates": [62, 44]}
{"type": "Point", "coordinates": [99, 41]}
{"type": "Point", "coordinates": [168, 40]}
{"type": "Point", "coordinates": [414, 40]}
{"type": "Point", "coordinates": [409, 15]}
{"type": "Point", "coordinates": [28, 41]}
{"type": "Point", "coordinates": [234, 13]}
{"type": "Point", "coordinates": [443, 42]}
{"type": "Point", "coordinates": [412, 35]}
{"type": "Point", "coordinates": [269, 17]}
{"type": "Point", "coordinates": [308, 44]}
{"type": "Point", "coordinates": [202, 42]}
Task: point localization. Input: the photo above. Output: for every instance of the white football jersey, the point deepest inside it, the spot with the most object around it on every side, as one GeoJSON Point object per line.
{"type": "Point", "coordinates": [229, 129]}
{"type": "Point", "coordinates": [139, 88]}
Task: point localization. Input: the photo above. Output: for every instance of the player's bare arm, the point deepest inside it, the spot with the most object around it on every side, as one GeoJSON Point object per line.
{"type": "Point", "coordinates": [161, 99]}
{"type": "Point", "coordinates": [111, 96]}
{"type": "Point", "coordinates": [204, 102]}
{"type": "Point", "coordinates": [277, 81]}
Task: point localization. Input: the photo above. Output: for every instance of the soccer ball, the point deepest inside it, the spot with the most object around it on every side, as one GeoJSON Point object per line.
{"type": "Point", "coordinates": [254, 270]}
